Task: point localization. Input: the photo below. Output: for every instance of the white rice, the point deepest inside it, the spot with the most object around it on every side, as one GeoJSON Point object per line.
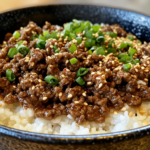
{"type": "Point", "coordinates": [13, 115]}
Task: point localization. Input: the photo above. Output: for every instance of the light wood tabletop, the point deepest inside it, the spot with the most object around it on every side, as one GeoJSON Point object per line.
{"type": "Point", "coordinates": [135, 5]}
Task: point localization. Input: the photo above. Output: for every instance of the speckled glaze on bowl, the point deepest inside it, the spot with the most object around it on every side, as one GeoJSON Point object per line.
{"type": "Point", "coordinates": [136, 139]}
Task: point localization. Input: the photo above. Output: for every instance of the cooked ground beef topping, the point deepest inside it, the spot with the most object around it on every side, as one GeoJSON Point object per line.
{"type": "Point", "coordinates": [80, 69]}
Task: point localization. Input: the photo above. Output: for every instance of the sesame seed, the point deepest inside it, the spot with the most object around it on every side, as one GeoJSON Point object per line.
{"type": "Point", "coordinates": [84, 94]}
{"type": "Point", "coordinates": [44, 98]}
{"type": "Point", "coordinates": [33, 87]}
{"type": "Point", "coordinates": [146, 70]}
{"type": "Point", "coordinates": [76, 102]}
{"type": "Point", "coordinates": [60, 94]}
{"type": "Point", "coordinates": [51, 46]}
{"type": "Point", "coordinates": [123, 109]}
{"type": "Point", "coordinates": [131, 114]}
{"type": "Point", "coordinates": [115, 113]}
{"type": "Point", "coordinates": [146, 79]}
{"type": "Point", "coordinates": [62, 75]}
{"type": "Point", "coordinates": [32, 64]}
{"type": "Point", "coordinates": [70, 95]}
{"type": "Point", "coordinates": [40, 80]}
{"type": "Point", "coordinates": [138, 86]}
{"type": "Point", "coordinates": [92, 73]}
{"type": "Point", "coordinates": [98, 78]}
{"type": "Point", "coordinates": [142, 68]}
{"type": "Point", "coordinates": [136, 70]}
{"type": "Point", "coordinates": [89, 83]}
{"type": "Point", "coordinates": [49, 57]}
{"type": "Point", "coordinates": [100, 85]}
{"type": "Point", "coordinates": [145, 123]}
{"type": "Point", "coordinates": [85, 103]}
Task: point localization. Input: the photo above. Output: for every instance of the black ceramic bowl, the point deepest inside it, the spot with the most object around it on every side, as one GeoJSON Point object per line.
{"type": "Point", "coordinates": [136, 139]}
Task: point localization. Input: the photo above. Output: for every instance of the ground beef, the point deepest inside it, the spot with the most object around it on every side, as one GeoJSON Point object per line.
{"type": "Point", "coordinates": [107, 84]}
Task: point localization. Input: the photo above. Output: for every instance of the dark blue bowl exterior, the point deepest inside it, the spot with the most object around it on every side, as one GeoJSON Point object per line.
{"type": "Point", "coordinates": [137, 139]}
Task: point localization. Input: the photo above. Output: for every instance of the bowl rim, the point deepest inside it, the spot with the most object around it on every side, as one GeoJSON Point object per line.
{"type": "Point", "coordinates": [41, 137]}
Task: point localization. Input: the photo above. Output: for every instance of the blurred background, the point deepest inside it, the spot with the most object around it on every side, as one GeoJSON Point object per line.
{"type": "Point", "coordinates": [135, 5]}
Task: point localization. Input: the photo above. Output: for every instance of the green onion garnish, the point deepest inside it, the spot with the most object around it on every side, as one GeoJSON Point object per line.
{"type": "Point", "coordinates": [100, 51]}
{"type": "Point", "coordinates": [100, 39]}
{"type": "Point", "coordinates": [18, 44]}
{"type": "Point", "coordinates": [126, 67]}
{"type": "Point", "coordinates": [16, 35]}
{"type": "Point", "coordinates": [10, 75]}
{"type": "Point", "coordinates": [40, 44]}
{"type": "Point", "coordinates": [51, 80]}
{"type": "Point", "coordinates": [130, 37]}
{"type": "Point", "coordinates": [72, 48]}
{"type": "Point", "coordinates": [73, 61]}
{"type": "Point", "coordinates": [12, 52]}
{"type": "Point", "coordinates": [112, 34]}
{"type": "Point", "coordinates": [90, 52]}
{"type": "Point", "coordinates": [82, 71]}
{"type": "Point", "coordinates": [79, 40]}
{"type": "Point", "coordinates": [80, 81]}
{"type": "Point", "coordinates": [132, 51]}
{"type": "Point", "coordinates": [23, 50]}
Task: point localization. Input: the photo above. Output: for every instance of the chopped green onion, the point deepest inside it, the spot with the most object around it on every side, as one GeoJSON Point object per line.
{"type": "Point", "coordinates": [139, 41]}
{"type": "Point", "coordinates": [16, 35]}
{"type": "Point", "coordinates": [29, 53]}
{"type": "Point", "coordinates": [57, 51]}
{"type": "Point", "coordinates": [95, 28]}
{"type": "Point", "coordinates": [100, 51]}
{"type": "Point", "coordinates": [79, 40]}
{"type": "Point", "coordinates": [34, 36]}
{"type": "Point", "coordinates": [82, 71]}
{"type": "Point", "coordinates": [125, 58]}
{"type": "Point", "coordinates": [90, 52]}
{"type": "Point", "coordinates": [40, 44]}
{"type": "Point", "coordinates": [100, 33]}
{"type": "Point", "coordinates": [18, 44]}
{"type": "Point", "coordinates": [111, 43]}
{"type": "Point", "coordinates": [12, 52]}
{"type": "Point", "coordinates": [51, 80]}
{"type": "Point", "coordinates": [73, 61]}
{"type": "Point", "coordinates": [100, 39]}
{"type": "Point", "coordinates": [23, 50]}
{"type": "Point", "coordinates": [130, 37]}
{"type": "Point", "coordinates": [89, 43]}
{"type": "Point", "coordinates": [68, 26]}
{"type": "Point", "coordinates": [71, 36]}
{"type": "Point", "coordinates": [126, 67]}
{"type": "Point", "coordinates": [112, 34]}
{"type": "Point", "coordinates": [111, 50]}
{"type": "Point", "coordinates": [78, 30]}
{"type": "Point", "coordinates": [10, 75]}
{"type": "Point", "coordinates": [88, 34]}
{"type": "Point", "coordinates": [135, 61]}
{"type": "Point", "coordinates": [72, 48]}
{"type": "Point", "coordinates": [132, 51]}
{"type": "Point", "coordinates": [46, 34]}
{"type": "Point", "coordinates": [93, 48]}
{"type": "Point", "coordinates": [80, 81]}
{"type": "Point", "coordinates": [55, 47]}
{"type": "Point", "coordinates": [125, 45]}
{"type": "Point", "coordinates": [53, 35]}
{"type": "Point", "coordinates": [41, 37]}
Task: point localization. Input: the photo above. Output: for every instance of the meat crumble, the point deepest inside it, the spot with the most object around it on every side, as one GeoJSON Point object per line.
{"type": "Point", "coordinates": [80, 69]}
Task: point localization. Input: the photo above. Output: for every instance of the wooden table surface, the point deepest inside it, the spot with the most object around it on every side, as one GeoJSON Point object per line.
{"type": "Point", "coordinates": [135, 5]}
